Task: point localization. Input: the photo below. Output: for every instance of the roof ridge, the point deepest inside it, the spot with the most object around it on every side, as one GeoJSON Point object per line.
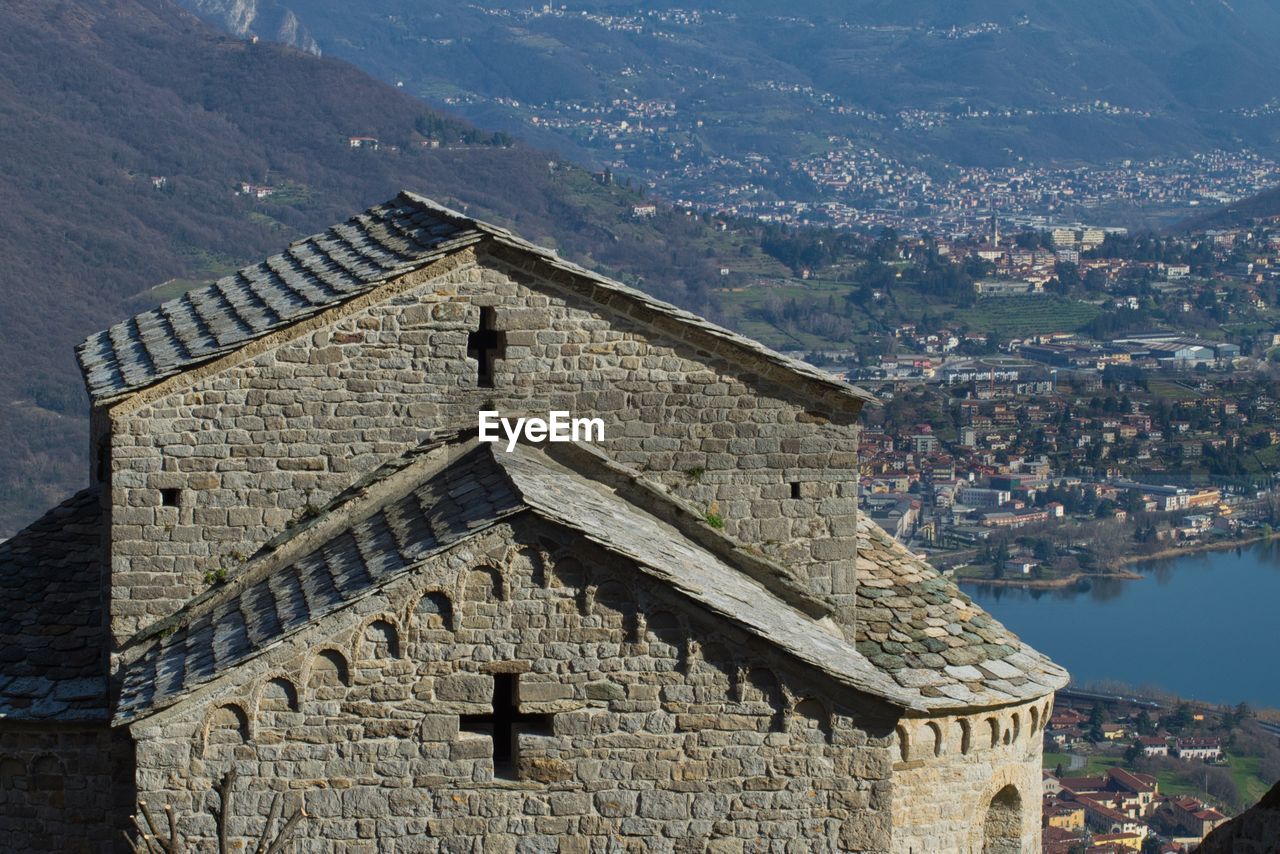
{"type": "Point", "coordinates": [658, 501]}
{"type": "Point", "coordinates": [116, 361]}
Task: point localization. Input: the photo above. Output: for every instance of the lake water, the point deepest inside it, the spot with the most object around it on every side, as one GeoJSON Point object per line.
{"type": "Point", "coordinates": [1204, 626]}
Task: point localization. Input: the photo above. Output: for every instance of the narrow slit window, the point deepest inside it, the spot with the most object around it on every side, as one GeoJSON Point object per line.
{"type": "Point", "coordinates": [486, 345]}
{"type": "Point", "coordinates": [795, 489]}
{"type": "Point", "coordinates": [170, 497]}
{"type": "Point", "coordinates": [104, 459]}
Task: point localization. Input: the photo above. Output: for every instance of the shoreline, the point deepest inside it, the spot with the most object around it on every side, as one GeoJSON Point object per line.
{"type": "Point", "coordinates": [1210, 546]}
{"type": "Point", "coordinates": [1049, 583]}
{"type": "Point", "coordinates": [1116, 569]}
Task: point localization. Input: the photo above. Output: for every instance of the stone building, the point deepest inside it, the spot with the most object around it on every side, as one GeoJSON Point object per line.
{"type": "Point", "coordinates": [297, 560]}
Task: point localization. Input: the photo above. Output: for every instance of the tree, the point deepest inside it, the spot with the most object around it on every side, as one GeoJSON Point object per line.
{"type": "Point", "coordinates": [1145, 725]}
{"type": "Point", "coordinates": [1133, 753]}
{"type": "Point", "coordinates": [1181, 718]}
{"type": "Point", "coordinates": [1096, 719]}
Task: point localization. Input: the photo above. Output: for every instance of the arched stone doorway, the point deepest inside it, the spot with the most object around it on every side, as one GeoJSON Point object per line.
{"type": "Point", "coordinates": [1002, 828]}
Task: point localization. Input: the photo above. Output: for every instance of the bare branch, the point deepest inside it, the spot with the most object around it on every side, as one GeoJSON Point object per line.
{"type": "Point", "coordinates": [287, 831]}
{"type": "Point", "coordinates": [276, 804]}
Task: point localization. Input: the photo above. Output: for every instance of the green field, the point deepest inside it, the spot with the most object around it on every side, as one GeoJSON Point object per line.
{"type": "Point", "coordinates": [742, 310]}
{"type": "Point", "coordinates": [1027, 315]}
{"type": "Point", "coordinates": [1171, 390]}
{"type": "Point", "coordinates": [1244, 770]}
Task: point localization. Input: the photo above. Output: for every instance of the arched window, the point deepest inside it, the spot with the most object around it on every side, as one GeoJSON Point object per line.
{"type": "Point", "coordinates": [904, 743]}
{"type": "Point", "coordinates": [1002, 826]}
{"type": "Point", "coordinates": [994, 726]}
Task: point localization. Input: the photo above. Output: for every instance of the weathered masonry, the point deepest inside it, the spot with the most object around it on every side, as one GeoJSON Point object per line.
{"type": "Point", "coordinates": [296, 560]}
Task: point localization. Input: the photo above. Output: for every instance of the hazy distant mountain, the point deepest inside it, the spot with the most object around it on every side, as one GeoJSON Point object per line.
{"type": "Point", "coordinates": [128, 130]}
{"type": "Point", "coordinates": [1063, 79]}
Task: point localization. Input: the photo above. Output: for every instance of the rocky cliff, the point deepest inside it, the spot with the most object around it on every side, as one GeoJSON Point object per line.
{"type": "Point", "coordinates": [263, 18]}
{"type": "Point", "coordinates": [1254, 831]}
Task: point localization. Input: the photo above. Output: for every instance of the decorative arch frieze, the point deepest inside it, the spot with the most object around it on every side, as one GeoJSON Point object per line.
{"type": "Point", "coordinates": [431, 611]}
{"type": "Point", "coordinates": [224, 724]}
{"type": "Point", "coordinates": [276, 694]}
{"type": "Point", "coordinates": [378, 639]}
{"type": "Point", "coordinates": [482, 583]}
{"type": "Point", "coordinates": [327, 668]}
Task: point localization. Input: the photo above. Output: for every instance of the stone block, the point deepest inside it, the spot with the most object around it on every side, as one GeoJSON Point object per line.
{"type": "Point", "coordinates": [438, 728]}
{"type": "Point", "coordinates": [465, 688]}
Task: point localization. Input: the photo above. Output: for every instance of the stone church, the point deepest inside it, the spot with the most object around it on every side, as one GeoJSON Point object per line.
{"type": "Point", "coordinates": [297, 562]}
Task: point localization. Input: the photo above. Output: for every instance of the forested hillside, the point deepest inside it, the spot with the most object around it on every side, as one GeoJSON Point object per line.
{"type": "Point", "coordinates": [977, 82]}
{"type": "Point", "coordinates": [127, 129]}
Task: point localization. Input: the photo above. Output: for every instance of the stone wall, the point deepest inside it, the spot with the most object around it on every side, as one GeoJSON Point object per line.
{"type": "Point", "coordinates": [63, 789]}
{"type": "Point", "coordinates": [208, 465]}
{"type": "Point", "coordinates": [970, 783]}
{"type": "Point", "coordinates": [667, 730]}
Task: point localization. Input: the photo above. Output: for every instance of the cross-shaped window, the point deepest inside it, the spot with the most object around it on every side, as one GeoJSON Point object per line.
{"type": "Point", "coordinates": [505, 723]}
{"type": "Point", "coordinates": [486, 345]}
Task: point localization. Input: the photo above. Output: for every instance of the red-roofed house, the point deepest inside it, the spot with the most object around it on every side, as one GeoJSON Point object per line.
{"type": "Point", "coordinates": [1192, 816]}
{"type": "Point", "coordinates": [1207, 749]}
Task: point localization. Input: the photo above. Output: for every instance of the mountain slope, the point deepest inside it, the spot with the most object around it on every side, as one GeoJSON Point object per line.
{"type": "Point", "coordinates": [1245, 212]}
{"type": "Point", "coordinates": [1172, 72]}
{"type": "Point", "coordinates": [101, 99]}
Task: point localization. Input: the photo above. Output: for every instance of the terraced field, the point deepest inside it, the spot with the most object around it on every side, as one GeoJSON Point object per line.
{"type": "Point", "coordinates": [1028, 315]}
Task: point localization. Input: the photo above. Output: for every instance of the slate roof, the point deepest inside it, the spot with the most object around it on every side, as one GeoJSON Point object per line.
{"type": "Point", "coordinates": [223, 631]}
{"type": "Point", "coordinates": [661, 551]}
{"type": "Point", "coordinates": [922, 630]}
{"type": "Point", "coordinates": [909, 609]}
{"type": "Point", "coordinates": [337, 265]}
{"type": "Point", "coordinates": [52, 622]}
{"type": "Point", "coordinates": [313, 274]}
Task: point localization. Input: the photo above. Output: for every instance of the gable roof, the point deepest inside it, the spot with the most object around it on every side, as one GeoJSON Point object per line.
{"type": "Point", "coordinates": [442, 504]}
{"type": "Point", "coordinates": [266, 604]}
{"type": "Point", "coordinates": [476, 490]}
{"type": "Point", "coordinates": [347, 260]}
{"type": "Point", "coordinates": [53, 661]}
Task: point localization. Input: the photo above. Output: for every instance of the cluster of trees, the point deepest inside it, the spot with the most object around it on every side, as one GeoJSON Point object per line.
{"type": "Point", "coordinates": [811, 248]}
{"type": "Point", "coordinates": [1233, 725]}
